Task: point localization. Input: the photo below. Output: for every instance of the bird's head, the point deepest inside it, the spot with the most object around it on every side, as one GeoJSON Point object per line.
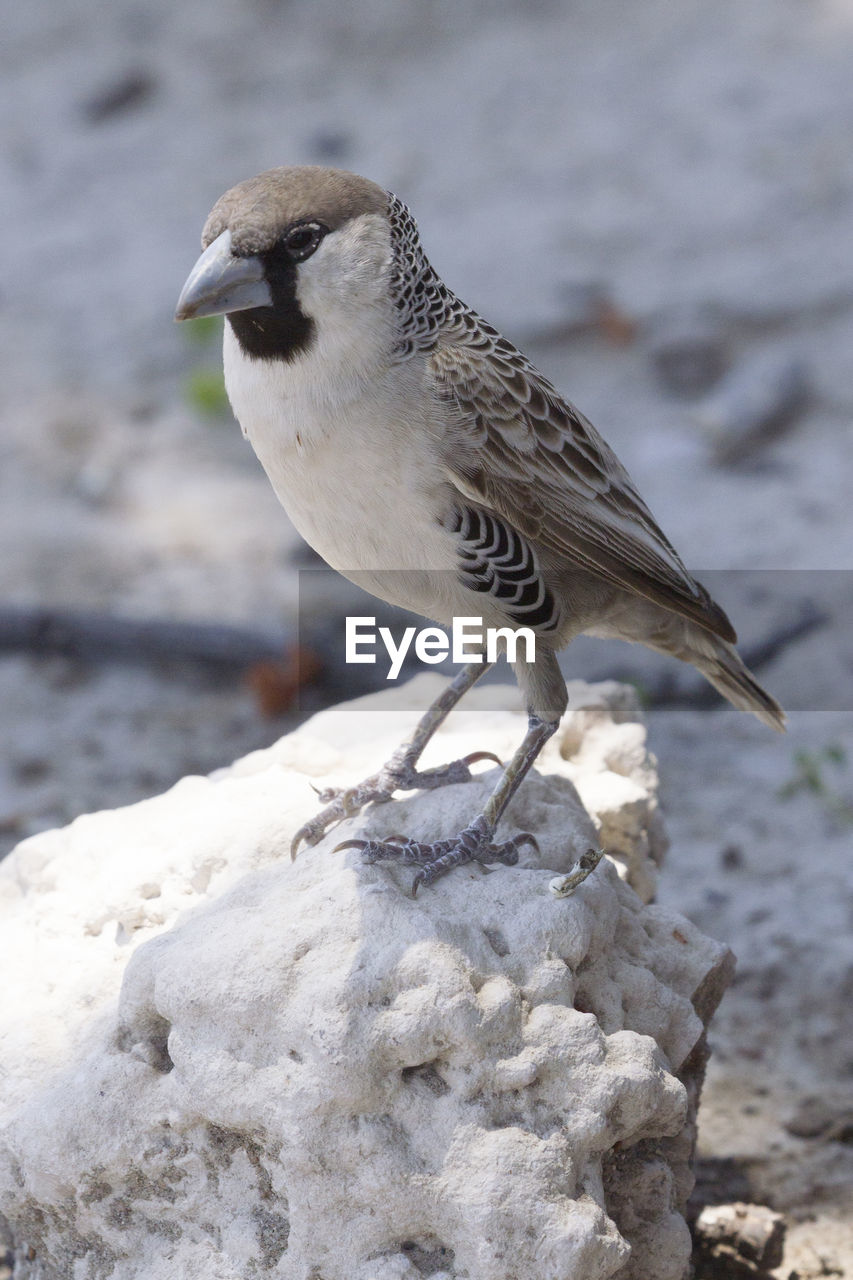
{"type": "Point", "coordinates": [299, 250]}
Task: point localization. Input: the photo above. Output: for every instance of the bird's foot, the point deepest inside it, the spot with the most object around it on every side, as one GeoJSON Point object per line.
{"type": "Point", "coordinates": [474, 844]}
{"type": "Point", "coordinates": [399, 774]}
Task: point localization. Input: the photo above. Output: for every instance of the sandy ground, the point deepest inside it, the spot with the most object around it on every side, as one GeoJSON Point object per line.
{"type": "Point", "coordinates": [676, 157]}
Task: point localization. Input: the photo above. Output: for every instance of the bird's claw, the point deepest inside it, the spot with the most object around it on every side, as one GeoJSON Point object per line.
{"type": "Point", "coordinates": [397, 775]}
{"type": "Point", "coordinates": [473, 844]}
{"type": "Point", "coordinates": [340, 802]}
{"type": "Point", "coordinates": [326, 794]}
{"type": "Point", "coordinates": [474, 756]}
{"type": "Point", "coordinates": [402, 776]}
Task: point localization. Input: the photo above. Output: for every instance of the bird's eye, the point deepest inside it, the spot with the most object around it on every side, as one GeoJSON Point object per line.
{"type": "Point", "coordinates": [300, 242]}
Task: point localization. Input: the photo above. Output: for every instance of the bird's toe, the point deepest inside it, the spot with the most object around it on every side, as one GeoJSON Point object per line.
{"type": "Point", "coordinates": [475, 843]}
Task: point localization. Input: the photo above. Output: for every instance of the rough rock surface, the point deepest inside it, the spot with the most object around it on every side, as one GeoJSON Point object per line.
{"type": "Point", "coordinates": [220, 1063]}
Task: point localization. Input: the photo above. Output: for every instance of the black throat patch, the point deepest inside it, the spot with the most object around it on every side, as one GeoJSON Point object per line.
{"type": "Point", "coordinates": [279, 332]}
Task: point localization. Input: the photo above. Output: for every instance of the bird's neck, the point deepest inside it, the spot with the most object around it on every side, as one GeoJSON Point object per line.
{"type": "Point", "coordinates": [423, 302]}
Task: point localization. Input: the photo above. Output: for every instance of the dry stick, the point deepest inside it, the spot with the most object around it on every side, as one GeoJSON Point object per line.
{"type": "Point", "coordinates": [103, 637]}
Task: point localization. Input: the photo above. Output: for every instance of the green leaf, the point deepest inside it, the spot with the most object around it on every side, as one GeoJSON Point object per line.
{"type": "Point", "coordinates": [205, 391]}
{"type": "Point", "coordinates": [203, 331]}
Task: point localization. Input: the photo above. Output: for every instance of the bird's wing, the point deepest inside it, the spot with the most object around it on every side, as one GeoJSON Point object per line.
{"type": "Point", "coordinates": [518, 448]}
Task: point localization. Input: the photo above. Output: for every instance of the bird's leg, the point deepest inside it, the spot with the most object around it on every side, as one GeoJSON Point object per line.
{"type": "Point", "coordinates": [476, 841]}
{"type": "Point", "coordinates": [400, 772]}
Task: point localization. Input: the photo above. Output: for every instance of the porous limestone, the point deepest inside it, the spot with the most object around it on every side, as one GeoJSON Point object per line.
{"type": "Point", "coordinates": [220, 1063]}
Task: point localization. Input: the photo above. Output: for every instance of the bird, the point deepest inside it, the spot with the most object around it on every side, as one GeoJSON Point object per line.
{"type": "Point", "coordinates": [424, 457]}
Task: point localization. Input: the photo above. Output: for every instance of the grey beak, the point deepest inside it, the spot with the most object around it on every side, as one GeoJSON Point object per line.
{"type": "Point", "coordinates": [220, 282]}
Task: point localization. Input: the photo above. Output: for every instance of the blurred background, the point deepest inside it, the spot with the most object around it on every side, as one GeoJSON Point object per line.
{"type": "Point", "coordinates": [654, 201]}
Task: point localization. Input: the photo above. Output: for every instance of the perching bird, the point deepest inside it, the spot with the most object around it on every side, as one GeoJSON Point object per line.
{"type": "Point", "coordinates": [426, 458]}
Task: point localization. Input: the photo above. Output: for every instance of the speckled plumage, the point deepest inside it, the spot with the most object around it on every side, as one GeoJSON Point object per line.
{"type": "Point", "coordinates": [424, 304]}
{"type": "Point", "coordinates": [523, 451]}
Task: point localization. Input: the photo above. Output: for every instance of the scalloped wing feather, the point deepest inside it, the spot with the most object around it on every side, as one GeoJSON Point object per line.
{"type": "Point", "coordinates": [520, 449]}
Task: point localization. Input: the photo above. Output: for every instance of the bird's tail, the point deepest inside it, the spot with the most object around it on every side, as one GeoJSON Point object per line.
{"type": "Point", "coordinates": [735, 681]}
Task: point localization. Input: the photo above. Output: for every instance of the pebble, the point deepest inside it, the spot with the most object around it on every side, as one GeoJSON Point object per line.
{"type": "Point", "coordinates": [753, 405]}
{"type": "Point", "coordinates": [688, 349]}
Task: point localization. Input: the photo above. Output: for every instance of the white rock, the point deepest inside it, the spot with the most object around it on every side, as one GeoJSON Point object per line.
{"type": "Point", "coordinates": [221, 1064]}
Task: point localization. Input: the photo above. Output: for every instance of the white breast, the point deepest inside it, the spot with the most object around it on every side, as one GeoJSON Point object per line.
{"type": "Point", "coordinates": [352, 459]}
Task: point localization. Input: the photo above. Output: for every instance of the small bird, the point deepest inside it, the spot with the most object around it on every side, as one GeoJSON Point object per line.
{"type": "Point", "coordinates": [425, 458]}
